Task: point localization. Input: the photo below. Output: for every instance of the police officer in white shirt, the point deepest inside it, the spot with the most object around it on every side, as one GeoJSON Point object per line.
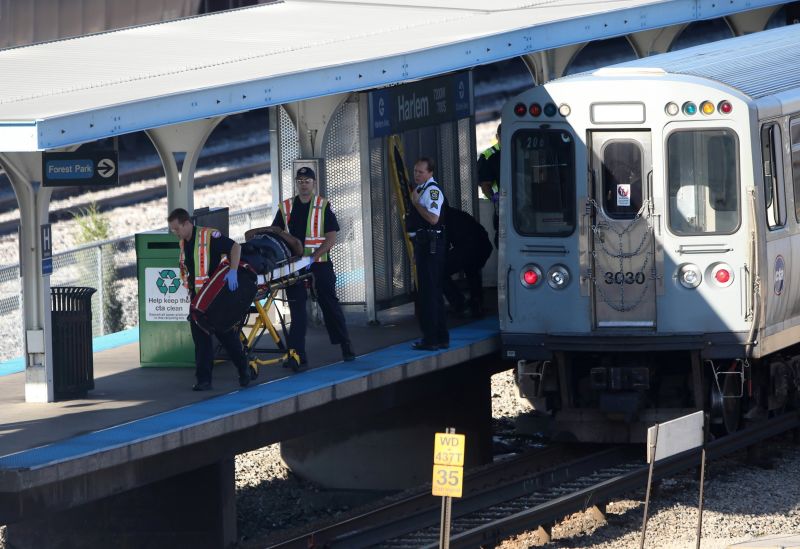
{"type": "Point", "coordinates": [426, 221]}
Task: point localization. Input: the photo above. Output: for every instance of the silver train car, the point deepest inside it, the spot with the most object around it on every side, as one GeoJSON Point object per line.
{"type": "Point", "coordinates": [649, 260]}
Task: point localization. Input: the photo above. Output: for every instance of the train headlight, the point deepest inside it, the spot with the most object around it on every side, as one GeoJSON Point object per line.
{"type": "Point", "coordinates": [707, 107]}
{"type": "Point", "coordinates": [721, 274]}
{"type": "Point", "coordinates": [689, 276]}
{"type": "Point", "coordinates": [519, 109]}
{"type": "Point", "coordinates": [671, 109]}
{"type": "Point", "coordinates": [689, 108]}
{"type": "Point", "coordinates": [564, 110]}
{"type": "Point", "coordinates": [531, 275]}
{"type": "Point", "coordinates": [558, 277]}
{"type": "Point", "coordinates": [725, 107]}
{"type": "Point", "coordinates": [550, 109]}
{"type": "Point", "coordinates": [535, 109]}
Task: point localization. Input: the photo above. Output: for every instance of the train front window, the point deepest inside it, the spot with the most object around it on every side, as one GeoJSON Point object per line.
{"type": "Point", "coordinates": [703, 182]}
{"type": "Point", "coordinates": [543, 182]}
{"type": "Point", "coordinates": [622, 179]}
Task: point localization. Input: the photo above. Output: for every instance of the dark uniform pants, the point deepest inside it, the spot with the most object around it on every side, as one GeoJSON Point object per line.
{"type": "Point", "coordinates": [471, 262]}
{"type": "Point", "coordinates": [430, 276]}
{"type": "Point", "coordinates": [325, 286]}
{"type": "Point", "coordinates": [204, 351]}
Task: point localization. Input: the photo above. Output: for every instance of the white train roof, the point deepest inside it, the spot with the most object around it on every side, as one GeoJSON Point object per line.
{"type": "Point", "coordinates": [761, 64]}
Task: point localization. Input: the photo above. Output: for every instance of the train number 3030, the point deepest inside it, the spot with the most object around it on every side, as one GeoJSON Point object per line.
{"type": "Point", "coordinates": [624, 278]}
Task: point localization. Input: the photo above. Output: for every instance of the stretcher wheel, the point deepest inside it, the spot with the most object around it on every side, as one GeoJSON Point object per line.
{"type": "Point", "coordinates": [293, 362]}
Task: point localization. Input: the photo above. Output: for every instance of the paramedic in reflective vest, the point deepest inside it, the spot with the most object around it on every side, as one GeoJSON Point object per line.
{"type": "Point", "coordinates": [426, 221]}
{"type": "Point", "coordinates": [310, 219]}
{"type": "Point", "coordinates": [202, 250]}
{"type": "Point", "coordinates": [489, 178]}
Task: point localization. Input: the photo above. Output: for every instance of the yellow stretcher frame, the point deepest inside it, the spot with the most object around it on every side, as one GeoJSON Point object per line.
{"type": "Point", "coordinates": [264, 324]}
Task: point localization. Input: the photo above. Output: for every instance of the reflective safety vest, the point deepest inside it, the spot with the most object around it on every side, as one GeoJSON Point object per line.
{"type": "Point", "coordinates": [202, 258]}
{"type": "Point", "coordinates": [315, 224]}
{"type": "Point", "coordinates": [487, 154]}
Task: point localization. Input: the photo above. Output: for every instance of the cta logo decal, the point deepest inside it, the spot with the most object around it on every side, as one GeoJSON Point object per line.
{"type": "Point", "coordinates": [779, 274]}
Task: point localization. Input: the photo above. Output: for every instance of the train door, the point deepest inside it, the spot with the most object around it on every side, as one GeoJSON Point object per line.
{"type": "Point", "coordinates": [780, 306]}
{"type": "Point", "coordinates": [621, 235]}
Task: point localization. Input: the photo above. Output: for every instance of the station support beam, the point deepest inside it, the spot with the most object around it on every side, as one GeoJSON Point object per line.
{"type": "Point", "coordinates": [24, 170]}
{"type": "Point", "coordinates": [311, 118]}
{"type": "Point", "coordinates": [370, 299]}
{"type": "Point", "coordinates": [179, 147]}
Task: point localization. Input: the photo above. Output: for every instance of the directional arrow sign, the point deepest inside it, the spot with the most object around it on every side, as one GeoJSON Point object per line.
{"type": "Point", "coordinates": [106, 167]}
{"type": "Point", "coordinates": [79, 168]}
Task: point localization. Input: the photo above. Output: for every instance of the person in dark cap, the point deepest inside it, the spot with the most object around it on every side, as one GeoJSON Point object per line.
{"type": "Point", "coordinates": [309, 218]}
{"type": "Point", "coordinates": [426, 220]}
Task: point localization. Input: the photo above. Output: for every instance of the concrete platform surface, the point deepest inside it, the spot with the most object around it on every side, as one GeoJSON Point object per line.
{"type": "Point", "coordinates": [126, 392]}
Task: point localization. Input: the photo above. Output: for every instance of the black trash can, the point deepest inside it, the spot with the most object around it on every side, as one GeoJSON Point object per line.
{"type": "Point", "coordinates": [73, 360]}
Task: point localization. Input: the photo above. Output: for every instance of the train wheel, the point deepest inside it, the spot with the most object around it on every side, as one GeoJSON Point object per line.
{"type": "Point", "coordinates": [726, 413]}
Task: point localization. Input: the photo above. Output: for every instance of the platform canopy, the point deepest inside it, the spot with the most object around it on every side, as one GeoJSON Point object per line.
{"type": "Point", "coordinates": [73, 91]}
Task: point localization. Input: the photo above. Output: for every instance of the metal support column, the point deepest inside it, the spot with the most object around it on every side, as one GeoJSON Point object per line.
{"type": "Point", "coordinates": [24, 170]}
{"type": "Point", "coordinates": [179, 147]}
{"type": "Point", "coordinates": [366, 209]}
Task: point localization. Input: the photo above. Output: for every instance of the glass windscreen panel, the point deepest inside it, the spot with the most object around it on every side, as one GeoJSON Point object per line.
{"type": "Point", "coordinates": [795, 138]}
{"type": "Point", "coordinates": [622, 179]}
{"type": "Point", "coordinates": [543, 182]}
{"type": "Point", "coordinates": [703, 182]}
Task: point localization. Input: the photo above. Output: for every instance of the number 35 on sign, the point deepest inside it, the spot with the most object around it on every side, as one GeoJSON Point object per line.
{"type": "Point", "coordinates": [448, 461]}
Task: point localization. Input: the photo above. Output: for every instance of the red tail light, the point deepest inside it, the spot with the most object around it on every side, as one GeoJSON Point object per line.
{"type": "Point", "coordinates": [722, 276]}
{"type": "Point", "coordinates": [530, 276]}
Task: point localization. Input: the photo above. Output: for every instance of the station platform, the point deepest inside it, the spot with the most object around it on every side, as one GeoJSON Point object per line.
{"type": "Point", "coordinates": [125, 392]}
{"type": "Point", "coordinates": [143, 443]}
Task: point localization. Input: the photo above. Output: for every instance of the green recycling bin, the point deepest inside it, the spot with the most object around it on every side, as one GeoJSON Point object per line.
{"type": "Point", "coordinates": [164, 335]}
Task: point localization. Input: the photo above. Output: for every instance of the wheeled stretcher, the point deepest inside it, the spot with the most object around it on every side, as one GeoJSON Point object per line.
{"type": "Point", "coordinates": [287, 273]}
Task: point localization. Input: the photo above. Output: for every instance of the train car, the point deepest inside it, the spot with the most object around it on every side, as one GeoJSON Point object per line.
{"type": "Point", "coordinates": [649, 260]}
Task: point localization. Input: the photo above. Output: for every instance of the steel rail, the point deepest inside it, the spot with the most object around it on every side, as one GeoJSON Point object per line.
{"type": "Point", "coordinates": [423, 502]}
{"type": "Point", "coordinates": [515, 501]}
{"type": "Point", "coordinates": [417, 530]}
{"type": "Point", "coordinates": [550, 512]}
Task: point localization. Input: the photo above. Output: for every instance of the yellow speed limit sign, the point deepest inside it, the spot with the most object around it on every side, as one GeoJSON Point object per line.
{"type": "Point", "coordinates": [448, 480]}
{"type": "Point", "coordinates": [448, 461]}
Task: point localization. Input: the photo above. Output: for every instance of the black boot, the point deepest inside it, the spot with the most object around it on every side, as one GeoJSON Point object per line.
{"type": "Point", "coordinates": [347, 352]}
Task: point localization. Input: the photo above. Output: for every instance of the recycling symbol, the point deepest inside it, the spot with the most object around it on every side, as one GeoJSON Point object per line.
{"type": "Point", "coordinates": [168, 282]}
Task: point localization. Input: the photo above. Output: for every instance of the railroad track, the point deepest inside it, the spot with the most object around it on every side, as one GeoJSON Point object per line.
{"type": "Point", "coordinates": [489, 513]}
{"type": "Point", "coordinates": [422, 509]}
